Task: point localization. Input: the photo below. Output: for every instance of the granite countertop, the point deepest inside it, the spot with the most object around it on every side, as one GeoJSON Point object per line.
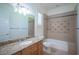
{"type": "Point", "coordinates": [17, 46]}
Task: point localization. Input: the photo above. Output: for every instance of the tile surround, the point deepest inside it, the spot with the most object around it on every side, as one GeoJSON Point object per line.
{"type": "Point", "coordinates": [62, 27]}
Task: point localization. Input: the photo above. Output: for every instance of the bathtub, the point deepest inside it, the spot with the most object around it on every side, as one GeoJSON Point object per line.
{"type": "Point", "coordinates": [54, 43]}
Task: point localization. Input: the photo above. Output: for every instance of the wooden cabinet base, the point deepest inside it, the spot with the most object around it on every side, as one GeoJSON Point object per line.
{"type": "Point", "coordinates": [18, 53]}
{"type": "Point", "coordinates": [35, 49]}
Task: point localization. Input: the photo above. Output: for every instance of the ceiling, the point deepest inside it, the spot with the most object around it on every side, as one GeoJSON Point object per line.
{"type": "Point", "coordinates": [45, 7]}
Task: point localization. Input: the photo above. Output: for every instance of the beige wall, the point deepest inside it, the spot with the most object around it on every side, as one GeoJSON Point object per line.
{"type": "Point", "coordinates": [62, 27]}
{"type": "Point", "coordinates": [72, 35]}
{"type": "Point", "coordinates": [58, 28]}
{"type": "Point", "coordinates": [45, 25]}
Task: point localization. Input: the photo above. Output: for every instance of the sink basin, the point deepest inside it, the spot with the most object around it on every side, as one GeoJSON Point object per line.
{"type": "Point", "coordinates": [25, 42]}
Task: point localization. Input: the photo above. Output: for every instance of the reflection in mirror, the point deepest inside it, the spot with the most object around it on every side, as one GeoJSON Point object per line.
{"type": "Point", "coordinates": [39, 19]}
{"type": "Point", "coordinates": [18, 24]}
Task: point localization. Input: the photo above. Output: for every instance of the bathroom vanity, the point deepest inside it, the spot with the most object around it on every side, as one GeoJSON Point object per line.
{"type": "Point", "coordinates": [35, 49]}
{"type": "Point", "coordinates": [13, 27]}
{"type": "Point", "coordinates": [31, 46]}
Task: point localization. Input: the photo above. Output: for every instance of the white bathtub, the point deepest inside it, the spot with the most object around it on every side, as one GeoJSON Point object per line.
{"type": "Point", "coordinates": [54, 43]}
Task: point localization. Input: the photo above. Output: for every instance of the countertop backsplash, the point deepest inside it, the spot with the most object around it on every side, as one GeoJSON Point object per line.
{"type": "Point", "coordinates": [12, 41]}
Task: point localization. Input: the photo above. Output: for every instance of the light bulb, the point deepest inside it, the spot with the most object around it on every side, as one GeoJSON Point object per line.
{"type": "Point", "coordinates": [24, 14]}
{"type": "Point", "coordinates": [23, 11]}
{"type": "Point", "coordinates": [28, 11]}
{"type": "Point", "coordinates": [15, 10]}
{"type": "Point", "coordinates": [20, 11]}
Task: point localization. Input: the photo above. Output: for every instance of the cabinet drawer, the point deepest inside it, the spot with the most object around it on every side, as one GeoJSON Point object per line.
{"type": "Point", "coordinates": [34, 47]}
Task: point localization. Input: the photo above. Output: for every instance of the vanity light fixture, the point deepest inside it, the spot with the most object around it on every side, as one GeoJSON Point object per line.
{"type": "Point", "coordinates": [22, 10]}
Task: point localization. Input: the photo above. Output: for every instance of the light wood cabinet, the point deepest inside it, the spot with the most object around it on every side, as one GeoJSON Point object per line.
{"type": "Point", "coordinates": [26, 51]}
{"type": "Point", "coordinates": [35, 49]}
{"type": "Point", "coordinates": [40, 48]}
{"type": "Point", "coordinates": [18, 53]}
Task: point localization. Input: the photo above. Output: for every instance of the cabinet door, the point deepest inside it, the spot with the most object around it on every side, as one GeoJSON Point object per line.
{"type": "Point", "coordinates": [31, 50]}
{"type": "Point", "coordinates": [27, 51]}
{"type": "Point", "coordinates": [37, 48]}
{"type": "Point", "coordinates": [34, 48]}
{"type": "Point", "coordinates": [40, 47]}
